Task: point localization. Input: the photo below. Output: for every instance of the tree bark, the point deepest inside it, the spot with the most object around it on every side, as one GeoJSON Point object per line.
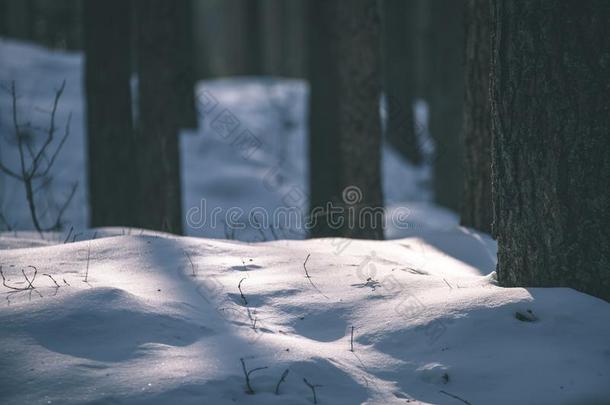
{"type": "Point", "coordinates": [446, 99]}
{"type": "Point", "coordinates": [158, 161]}
{"type": "Point", "coordinates": [254, 38]}
{"type": "Point", "coordinates": [476, 208]}
{"type": "Point", "coordinates": [110, 141]}
{"type": "Point", "coordinates": [399, 68]}
{"type": "Point", "coordinates": [186, 65]}
{"type": "Point", "coordinates": [345, 133]}
{"type": "Point", "coordinates": [550, 165]}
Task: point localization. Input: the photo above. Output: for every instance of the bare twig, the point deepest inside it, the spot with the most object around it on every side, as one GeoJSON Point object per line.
{"type": "Point", "coordinates": [69, 234]}
{"type": "Point", "coordinates": [247, 373]}
{"type": "Point", "coordinates": [29, 286]}
{"type": "Point", "coordinates": [282, 379]}
{"type": "Point", "coordinates": [29, 172]}
{"type": "Point", "coordinates": [455, 397]}
{"type": "Point", "coordinates": [313, 389]}
{"type": "Point", "coordinates": [88, 258]}
{"type": "Point", "coordinates": [52, 279]}
{"type": "Point", "coordinates": [243, 297]}
{"type": "Point", "coordinates": [351, 342]}
{"type": "Point", "coordinates": [192, 265]}
{"type": "Point", "coordinates": [253, 319]}
{"type": "Point", "coordinates": [305, 266]}
{"type": "Point", "coordinates": [30, 283]}
{"type": "Point", "coordinates": [309, 277]}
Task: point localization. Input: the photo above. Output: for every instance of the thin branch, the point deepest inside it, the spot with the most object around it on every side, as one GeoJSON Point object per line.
{"type": "Point", "coordinates": [309, 277]}
{"type": "Point", "coordinates": [88, 257]}
{"type": "Point", "coordinates": [455, 397]}
{"type": "Point", "coordinates": [192, 265]}
{"type": "Point", "coordinates": [247, 373]}
{"type": "Point", "coordinates": [69, 234]}
{"type": "Point", "coordinates": [51, 131]}
{"type": "Point", "coordinates": [243, 297]}
{"type": "Point", "coordinates": [52, 279]}
{"type": "Point", "coordinates": [282, 379]}
{"type": "Point", "coordinates": [30, 286]}
{"type": "Point", "coordinates": [305, 266]}
{"type": "Point", "coordinates": [58, 149]}
{"type": "Point", "coordinates": [10, 287]}
{"type": "Point", "coordinates": [313, 389]}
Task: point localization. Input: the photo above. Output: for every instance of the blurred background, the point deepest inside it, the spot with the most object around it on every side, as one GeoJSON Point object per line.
{"type": "Point", "coordinates": [240, 78]}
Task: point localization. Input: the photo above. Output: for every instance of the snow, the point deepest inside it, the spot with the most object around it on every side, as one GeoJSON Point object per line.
{"type": "Point", "coordinates": [141, 317]}
{"type": "Point", "coordinates": [144, 329]}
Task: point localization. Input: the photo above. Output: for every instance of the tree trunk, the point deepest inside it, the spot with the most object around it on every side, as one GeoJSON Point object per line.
{"type": "Point", "coordinates": [273, 21]}
{"type": "Point", "coordinates": [186, 65]}
{"type": "Point", "coordinates": [399, 79]}
{"type": "Point", "coordinates": [345, 133]}
{"type": "Point", "coordinates": [446, 99]}
{"type": "Point", "coordinates": [111, 143]}
{"type": "Point", "coordinates": [254, 38]}
{"type": "Point", "coordinates": [158, 161]}
{"type": "Point", "coordinates": [550, 165]}
{"type": "Point", "coordinates": [476, 208]}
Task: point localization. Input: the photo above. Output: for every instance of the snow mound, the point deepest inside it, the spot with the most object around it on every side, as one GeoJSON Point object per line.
{"type": "Point", "coordinates": [164, 319]}
{"type": "Point", "coordinates": [106, 324]}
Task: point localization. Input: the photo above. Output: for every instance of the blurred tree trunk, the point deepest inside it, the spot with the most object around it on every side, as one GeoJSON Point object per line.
{"type": "Point", "coordinates": [110, 139]}
{"type": "Point", "coordinates": [254, 49]}
{"type": "Point", "coordinates": [399, 69]}
{"type": "Point", "coordinates": [273, 26]}
{"type": "Point", "coordinates": [344, 125]}
{"type": "Point", "coordinates": [186, 65]}
{"type": "Point", "coordinates": [158, 160]}
{"type": "Point", "coordinates": [283, 37]}
{"type": "Point", "coordinates": [550, 169]}
{"type": "Point", "coordinates": [476, 208]}
{"type": "Point", "coordinates": [446, 99]}
{"type": "Point", "coordinates": [19, 19]}
{"type": "Point", "coordinates": [295, 31]}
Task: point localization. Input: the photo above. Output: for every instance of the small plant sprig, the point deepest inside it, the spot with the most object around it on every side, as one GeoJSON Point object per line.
{"type": "Point", "coordinates": [308, 277]}
{"type": "Point", "coordinates": [247, 373]}
{"type": "Point", "coordinates": [30, 285]}
{"type": "Point", "coordinates": [192, 265]}
{"type": "Point", "coordinates": [313, 389]}
{"type": "Point", "coordinates": [282, 379]}
{"type": "Point", "coordinates": [241, 293]}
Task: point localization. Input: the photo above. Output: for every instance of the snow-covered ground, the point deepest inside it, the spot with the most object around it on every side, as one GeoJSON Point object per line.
{"type": "Point", "coordinates": [130, 316]}
{"type": "Point", "coordinates": [160, 319]}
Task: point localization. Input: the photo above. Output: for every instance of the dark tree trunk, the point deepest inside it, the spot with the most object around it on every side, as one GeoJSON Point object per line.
{"type": "Point", "coordinates": [158, 161]}
{"type": "Point", "coordinates": [446, 99]}
{"type": "Point", "coordinates": [551, 143]}
{"type": "Point", "coordinates": [398, 44]}
{"type": "Point", "coordinates": [185, 74]}
{"type": "Point", "coordinates": [254, 38]}
{"type": "Point", "coordinates": [111, 143]}
{"type": "Point", "coordinates": [19, 19]}
{"type": "Point", "coordinates": [344, 125]}
{"type": "Point", "coordinates": [476, 208]}
{"type": "Point", "coordinates": [273, 22]}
